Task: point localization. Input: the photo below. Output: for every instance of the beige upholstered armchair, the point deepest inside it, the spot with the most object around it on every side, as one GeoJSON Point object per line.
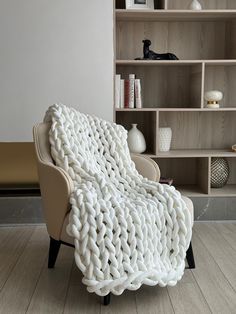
{"type": "Point", "coordinates": [56, 187]}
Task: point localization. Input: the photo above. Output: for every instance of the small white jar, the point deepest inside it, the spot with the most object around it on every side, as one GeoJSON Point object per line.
{"type": "Point", "coordinates": [165, 136]}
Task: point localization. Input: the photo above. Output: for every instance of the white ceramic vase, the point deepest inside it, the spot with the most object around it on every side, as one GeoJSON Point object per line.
{"type": "Point", "coordinates": [195, 5]}
{"type": "Point", "coordinates": [136, 140]}
{"type": "Point", "coordinates": [165, 136]}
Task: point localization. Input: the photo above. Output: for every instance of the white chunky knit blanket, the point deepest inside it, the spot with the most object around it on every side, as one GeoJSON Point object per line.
{"type": "Point", "coordinates": [127, 230]}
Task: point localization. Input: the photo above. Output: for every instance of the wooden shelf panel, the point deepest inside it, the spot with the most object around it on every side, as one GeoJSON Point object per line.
{"type": "Point", "coordinates": [186, 153]}
{"type": "Point", "coordinates": [226, 62]}
{"type": "Point", "coordinates": [229, 190]}
{"type": "Point", "coordinates": [175, 15]}
{"type": "Point", "coordinates": [191, 191]}
{"type": "Point", "coordinates": [176, 109]}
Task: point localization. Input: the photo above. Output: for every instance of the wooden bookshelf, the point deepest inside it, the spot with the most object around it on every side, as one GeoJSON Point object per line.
{"type": "Point", "coordinates": [173, 91]}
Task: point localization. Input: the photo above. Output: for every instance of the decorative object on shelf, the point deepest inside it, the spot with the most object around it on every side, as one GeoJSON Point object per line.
{"type": "Point", "coordinates": [139, 4]}
{"type": "Point", "coordinates": [165, 135]}
{"type": "Point", "coordinates": [219, 172]}
{"type": "Point", "coordinates": [195, 5]}
{"type": "Point", "coordinates": [234, 148]}
{"type": "Point", "coordinates": [151, 55]}
{"type": "Point", "coordinates": [136, 140]}
{"type": "Point", "coordinates": [168, 181]}
{"type": "Point", "coordinates": [213, 97]}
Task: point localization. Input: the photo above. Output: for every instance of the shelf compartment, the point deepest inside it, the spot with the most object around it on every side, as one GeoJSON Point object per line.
{"type": "Point", "coordinates": [169, 86]}
{"type": "Point", "coordinates": [189, 174]}
{"type": "Point", "coordinates": [200, 130]}
{"type": "Point", "coordinates": [206, 4]}
{"type": "Point", "coordinates": [213, 40]}
{"type": "Point", "coordinates": [223, 78]}
{"type": "Point", "coordinates": [147, 124]}
{"type": "Point", "coordinates": [230, 188]}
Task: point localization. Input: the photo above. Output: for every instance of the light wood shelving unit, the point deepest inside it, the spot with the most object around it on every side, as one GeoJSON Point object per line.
{"type": "Point", "coordinates": [173, 91]}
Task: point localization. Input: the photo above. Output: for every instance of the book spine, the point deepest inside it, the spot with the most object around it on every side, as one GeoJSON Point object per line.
{"type": "Point", "coordinates": [117, 91]}
{"type": "Point", "coordinates": [127, 94]}
{"type": "Point", "coordinates": [122, 93]}
{"type": "Point", "coordinates": [131, 90]}
{"type": "Point", "coordinates": [138, 95]}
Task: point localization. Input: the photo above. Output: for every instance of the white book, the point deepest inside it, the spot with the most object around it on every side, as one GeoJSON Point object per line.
{"type": "Point", "coordinates": [138, 94]}
{"type": "Point", "coordinates": [117, 91]}
{"type": "Point", "coordinates": [131, 90]}
{"type": "Point", "coordinates": [122, 93]}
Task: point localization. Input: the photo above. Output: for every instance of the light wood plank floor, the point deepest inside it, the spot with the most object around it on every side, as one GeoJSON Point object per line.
{"type": "Point", "coordinates": [27, 286]}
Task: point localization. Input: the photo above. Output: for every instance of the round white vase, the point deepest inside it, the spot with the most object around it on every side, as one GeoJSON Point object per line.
{"type": "Point", "coordinates": [165, 136]}
{"type": "Point", "coordinates": [195, 5]}
{"type": "Point", "coordinates": [136, 140]}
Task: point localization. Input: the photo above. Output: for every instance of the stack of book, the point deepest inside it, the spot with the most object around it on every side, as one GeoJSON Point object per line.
{"type": "Point", "coordinates": [128, 92]}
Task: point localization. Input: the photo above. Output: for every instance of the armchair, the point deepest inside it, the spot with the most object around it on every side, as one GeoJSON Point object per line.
{"type": "Point", "coordinates": [56, 187]}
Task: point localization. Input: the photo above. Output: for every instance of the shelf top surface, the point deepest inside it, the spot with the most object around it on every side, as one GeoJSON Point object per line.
{"type": "Point", "coordinates": [185, 153]}
{"type": "Point", "coordinates": [226, 62]}
{"type": "Point", "coordinates": [222, 109]}
{"type": "Point", "coordinates": [174, 15]}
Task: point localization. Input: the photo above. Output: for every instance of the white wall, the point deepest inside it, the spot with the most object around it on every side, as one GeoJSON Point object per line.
{"type": "Point", "coordinates": [53, 51]}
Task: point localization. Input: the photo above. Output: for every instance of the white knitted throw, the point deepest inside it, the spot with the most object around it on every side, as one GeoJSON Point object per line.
{"type": "Point", "coordinates": [127, 230]}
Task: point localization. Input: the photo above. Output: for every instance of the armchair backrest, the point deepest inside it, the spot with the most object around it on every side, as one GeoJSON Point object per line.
{"type": "Point", "coordinates": [55, 184]}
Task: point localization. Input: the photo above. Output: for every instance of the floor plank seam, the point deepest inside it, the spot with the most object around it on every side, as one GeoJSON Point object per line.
{"type": "Point", "coordinates": [216, 263]}
{"type": "Point", "coordinates": [68, 287]}
{"type": "Point", "coordinates": [172, 305]}
{"type": "Point", "coordinates": [36, 283]}
{"type": "Point", "coordinates": [207, 304]}
{"type": "Point", "coordinates": [17, 260]}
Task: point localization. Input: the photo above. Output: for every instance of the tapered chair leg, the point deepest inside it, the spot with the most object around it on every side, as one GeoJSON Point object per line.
{"type": "Point", "coordinates": [53, 252]}
{"type": "Point", "coordinates": [190, 257]}
{"type": "Point", "coordinates": [107, 299]}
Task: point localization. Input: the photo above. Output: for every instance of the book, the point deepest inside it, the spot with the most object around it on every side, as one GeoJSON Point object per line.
{"type": "Point", "coordinates": [138, 94]}
{"type": "Point", "coordinates": [117, 91]}
{"type": "Point", "coordinates": [122, 93]}
{"type": "Point", "coordinates": [127, 94]}
{"type": "Point", "coordinates": [168, 181]}
{"type": "Point", "coordinates": [131, 90]}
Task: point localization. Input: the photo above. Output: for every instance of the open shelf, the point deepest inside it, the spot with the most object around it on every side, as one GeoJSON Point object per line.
{"type": "Point", "coordinates": [173, 90]}
{"type": "Point", "coordinates": [193, 130]}
{"type": "Point", "coordinates": [207, 40]}
{"type": "Point", "coordinates": [168, 86]}
{"type": "Point", "coordinates": [196, 181]}
{"type": "Point", "coordinates": [206, 4]}
{"type": "Point", "coordinates": [230, 188]}
{"type": "Point", "coordinates": [223, 78]}
{"type": "Point", "coordinates": [147, 122]}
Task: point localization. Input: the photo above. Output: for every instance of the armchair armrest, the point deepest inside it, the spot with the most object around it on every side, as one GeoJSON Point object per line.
{"type": "Point", "coordinates": [147, 167]}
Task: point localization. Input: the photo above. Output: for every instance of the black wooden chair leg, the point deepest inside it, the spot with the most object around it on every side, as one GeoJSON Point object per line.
{"type": "Point", "coordinates": [190, 257]}
{"type": "Point", "coordinates": [53, 252]}
{"type": "Point", "coordinates": [107, 299]}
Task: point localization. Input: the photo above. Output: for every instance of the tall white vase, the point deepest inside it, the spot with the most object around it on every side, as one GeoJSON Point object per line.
{"type": "Point", "coordinates": [195, 5]}
{"type": "Point", "coordinates": [136, 140]}
{"type": "Point", "coordinates": [165, 136]}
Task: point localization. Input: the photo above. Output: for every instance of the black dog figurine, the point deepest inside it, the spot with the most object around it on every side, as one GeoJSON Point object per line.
{"type": "Point", "coordinates": [151, 55]}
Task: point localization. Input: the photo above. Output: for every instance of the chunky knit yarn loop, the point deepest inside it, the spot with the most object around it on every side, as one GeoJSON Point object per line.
{"type": "Point", "coordinates": [127, 230]}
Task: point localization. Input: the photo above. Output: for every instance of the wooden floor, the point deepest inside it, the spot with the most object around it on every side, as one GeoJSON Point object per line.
{"type": "Point", "coordinates": [27, 286]}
